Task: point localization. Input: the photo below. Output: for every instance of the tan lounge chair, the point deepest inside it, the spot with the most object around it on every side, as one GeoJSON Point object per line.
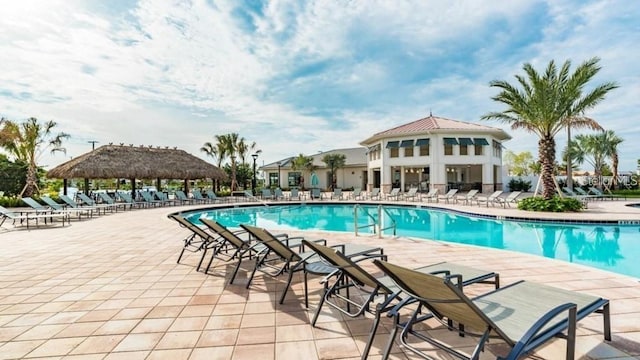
{"type": "Point", "coordinates": [524, 315]}
{"type": "Point", "coordinates": [281, 258]}
{"type": "Point", "coordinates": [352, 276]}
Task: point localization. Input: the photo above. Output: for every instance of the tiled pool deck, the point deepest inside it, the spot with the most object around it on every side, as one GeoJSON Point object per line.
{"type": "Point", "coordinates": [110, 288]}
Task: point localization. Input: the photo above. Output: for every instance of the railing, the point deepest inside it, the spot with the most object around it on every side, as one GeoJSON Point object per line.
{"type": "Point", "coordinates": [393, 222]}
{"type": "Point", "coordinates": [249, 195]}
{"type": "Point", "coordinates": [375, 223]}
{"type": "Point", "coordinates": [355, 219]}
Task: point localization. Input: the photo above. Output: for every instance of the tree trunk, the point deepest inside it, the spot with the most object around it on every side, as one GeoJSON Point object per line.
{"type": "Point", "coordinates": [614, 167]}
{"type": "Point", "coordinates": [233, 176]}
{"type": "Point", "coordinates": [547, 156]}
{"type": "Point", "coordinates": [30, 187]}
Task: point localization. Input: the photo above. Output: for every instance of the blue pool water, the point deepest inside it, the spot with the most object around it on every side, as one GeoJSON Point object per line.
{"type": "Point", "coordinates": [614, 248]}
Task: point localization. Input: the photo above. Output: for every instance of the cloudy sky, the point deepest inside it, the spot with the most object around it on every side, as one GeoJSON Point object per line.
{"type": "Point", "coordinates": [297, 76]}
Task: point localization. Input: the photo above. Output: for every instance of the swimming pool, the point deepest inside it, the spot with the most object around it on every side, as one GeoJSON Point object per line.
{"type": "Point", "coordinates": [609, 247]}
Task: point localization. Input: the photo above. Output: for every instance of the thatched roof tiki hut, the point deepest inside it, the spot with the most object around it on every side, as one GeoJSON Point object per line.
{"type": "Point", "coordinates": [137, 162]}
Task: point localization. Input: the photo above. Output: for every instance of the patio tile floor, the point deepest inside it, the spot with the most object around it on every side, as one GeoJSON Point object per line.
{"type": "Point", "coordinates": [110, 288]}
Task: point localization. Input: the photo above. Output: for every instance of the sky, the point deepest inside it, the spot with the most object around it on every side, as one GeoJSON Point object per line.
{"type": "Point", "coordinates": [299, 76]}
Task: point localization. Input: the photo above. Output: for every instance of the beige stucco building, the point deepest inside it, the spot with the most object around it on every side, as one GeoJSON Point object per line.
{"type": "Point", "coordinates": [353, 175]}
{"type": "Point", "coordinates": [436, 153]}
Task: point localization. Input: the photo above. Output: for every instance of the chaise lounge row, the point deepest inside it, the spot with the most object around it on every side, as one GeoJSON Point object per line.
{"type": "Point", "coordinates": [524, 315]}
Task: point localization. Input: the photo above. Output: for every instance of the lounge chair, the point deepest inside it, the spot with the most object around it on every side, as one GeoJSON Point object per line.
{"type": "Point", "coordinates": [352, 275]}
{"type": "Point", "coordinates": [70, 210]}
{"type": "Point", "coordinates": [266, 194]}
{"type": "Point", "coordinates": [412, 195]}
{"type": "Point", "coordinates": [183, 198]}
{"type": "Point", "coordinates": [28, 217]}
{"type": "Point", "coordinates": [296, 195]}
{"type": "Point", "coordinates": [432, 195]}
{"type": "Point", "coordinates": [89, 202]}
{"type": "Point", "coordinates": [597, 192]}
{"type": "Point", "coordinates": [109, 200]}
{"type": "Point", "coordinates": [197, 240]}
{"type": "Point", "coordinates": [37, 207]}
{"type": "Point", "coordinates": [491, 199]}
{"type": "Point", "coordinates": [525, 315]}
{"type": "Point", "coordinates": [467, 199]}
{"type": "Point", "coordinates": [337, 194]}
{"type": "Point", "coordinates": [149, 199]}
{"type": "Point", "coordinates": [164, 198]}
{"type": "Point", "coordinates": [280, 258]}
{"type": "Point", "coordinates": [571, 194]}
{"type": "Point", "coordinates": [212, 197]}
{"type": "Point", "coordinates": [126, 197]}
{"type": "Point", "coordinates": [277, 194]}
{"type": "Point", "coordinates": [512, 198]}
{"type": "Point", "coordinates": [356, 194]}
{"type": "Point", "coordinates": [231, 241]}
{"type": "Point", "coordinates": [197, 197]}
{"type": "Point", "coordinates": [316, 194]}
{"type": "Point", "coordinates": [449, 196]}
{"type": "Point", "coordinates": [394, 194]}
{"type": "Point", "coordinates": [74, 205]}
{"type": "Point", "coordinates": [375, 194]}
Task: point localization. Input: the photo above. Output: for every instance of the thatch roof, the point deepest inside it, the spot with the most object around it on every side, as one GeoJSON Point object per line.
{"type": "Point", "coordinates": [139, 162]}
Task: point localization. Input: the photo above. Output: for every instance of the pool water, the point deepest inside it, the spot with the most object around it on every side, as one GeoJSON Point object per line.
{"type": "Point", "coordinates": [614, 248]}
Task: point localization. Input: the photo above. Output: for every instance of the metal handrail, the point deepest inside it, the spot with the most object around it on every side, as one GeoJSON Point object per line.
{"type": "Point", "coordinates": [377, 223]}
{"type": "Point", "coordinates": [393, 222]}
{"type": "Point", "coordinates": [355, 219]}
{"type": "Point", "coordinates": [251, 196]}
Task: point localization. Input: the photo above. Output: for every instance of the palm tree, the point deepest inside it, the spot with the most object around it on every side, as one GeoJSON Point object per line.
{"type": "Point", "coordinates": [245, 148]}
{"type": "Point", "coordinates": [548, 103]}
{"type": "Point", "coordinates": [302, 162]}
{"type": "Point", "coordinates": [611, 142]}
{"type": "Point", "coordinates": [595, 149]}
{"type": "Point", "coordinates": [217, 152]}
{"type": "Point", "coordinates": [229, 142]}
{"type": "Point", "coordinates": [27, 142]}
{"type": "Point", "coordinates": [588, 148]}
{"type": "Point", "coordinates": [334, 161]}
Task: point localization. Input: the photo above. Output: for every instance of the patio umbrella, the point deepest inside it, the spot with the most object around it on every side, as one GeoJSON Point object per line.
{"type": "Point", "coordinates": [314, 180]}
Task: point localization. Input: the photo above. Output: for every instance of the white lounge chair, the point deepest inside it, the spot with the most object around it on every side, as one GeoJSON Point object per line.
{"type": "Point", "coordinates": [449, 196]}
{"type": "Point", "coordinates": [491, 199]}
{"type": "Point", "coordinates": [27, 217]}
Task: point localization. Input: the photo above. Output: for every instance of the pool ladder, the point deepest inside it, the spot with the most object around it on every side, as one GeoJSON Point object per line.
{"type": "Point", "coordinates": [376, 223]}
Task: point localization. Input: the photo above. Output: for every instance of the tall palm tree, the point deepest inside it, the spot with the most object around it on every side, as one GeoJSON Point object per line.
{"type": "Point", "coordinates": [229, 142]}
{"type": "Point", "coordinates": [244, 148]}
{"type": "Point", "coordinates": [27, 142]}
{"type": "Point", "coordinates": [334, 161]}
{"type": "Point", "coordinates": [302, 162]}
{"type": "Point", "coordinates": [589, 148]}
{"type": "Point", "coordinates": [611, 142]}
{"type": "Point", "coordinates": [546, 103]}
{"type": "Point", "coordinates": [217, 152]}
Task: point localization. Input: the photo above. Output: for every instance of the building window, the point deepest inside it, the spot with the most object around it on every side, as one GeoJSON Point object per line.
{"type": "Point", "coordinates": [424, 146]}
{"type": "Point", "coordinates": [479, 149]}
{"type": "Point", "coordinates": [294, 179]}
{"type": "Point", "coordinates": [448, 145]}
{"type": "Point", "coordinates": [497, 149]}
{"type": "Point", "coordinates": [394, 152]}
{"type": "Point", "coordinates": [408, 152]}
{"type": "Point", "coordinates": [273, 179]}
{"type": "Point", "coordinates": [448, 149]}
{"type": "Point", "coordinates": [464, 150]}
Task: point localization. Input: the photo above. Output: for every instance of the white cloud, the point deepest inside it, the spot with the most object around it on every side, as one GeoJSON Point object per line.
{"type": "Point", "coordinates": [177, 74]}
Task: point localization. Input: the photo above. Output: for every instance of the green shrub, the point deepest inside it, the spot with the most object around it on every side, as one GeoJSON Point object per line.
{"type": "Point", "coordinates": [627, 193]}
{"type": "Point", "coordinates": [11, 201]}
{"type": "Point", "coordinates": [519, 184]}
{"type": "Point", "coordinates": [555, 204]}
